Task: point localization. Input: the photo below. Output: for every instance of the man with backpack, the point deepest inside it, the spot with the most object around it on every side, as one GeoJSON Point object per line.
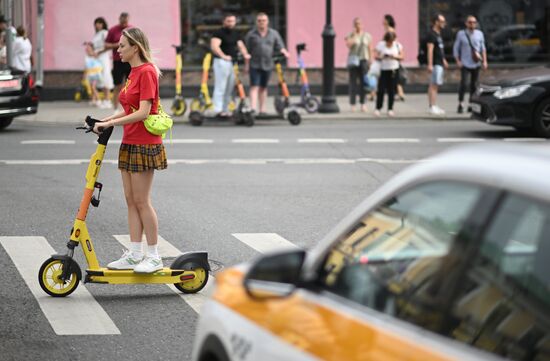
{"type": "Point", "coordinates": [470, 54]}
{"type": "Point", "coordinates": [436, 62]}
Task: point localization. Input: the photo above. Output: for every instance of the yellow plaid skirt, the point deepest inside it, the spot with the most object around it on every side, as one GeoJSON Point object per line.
{"type": "Point", "coordinates": [141, 157]}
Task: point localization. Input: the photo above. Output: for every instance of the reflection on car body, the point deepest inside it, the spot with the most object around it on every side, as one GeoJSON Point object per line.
{"type": "Point", "coordinates": [448, 261]}
{"type": "Point", "coordinates": [18, 95]}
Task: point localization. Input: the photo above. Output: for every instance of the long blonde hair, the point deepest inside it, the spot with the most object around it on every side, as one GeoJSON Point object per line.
{"type": "Point", "coordinates": [137, 37]}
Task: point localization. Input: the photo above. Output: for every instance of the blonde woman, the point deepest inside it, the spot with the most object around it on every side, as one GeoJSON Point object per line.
{"type": "Point", "coordinates": [140, 152]}
{"type": "Point", "coordinates": [359, 44]}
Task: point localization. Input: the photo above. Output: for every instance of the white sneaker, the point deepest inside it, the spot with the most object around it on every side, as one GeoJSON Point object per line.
{"type": "Point", "coordinates": [391, 113]}
{"type": "Point", "coordinates": [149, 265]}
{"type": "Point", "coordinates": [127, 261]}
{"type": "Point", "coordinates": [377, 113]}
{"type": "Point", "coordinates": [106, 104]}
{"type": "Point", "coordinates": [435, 110]}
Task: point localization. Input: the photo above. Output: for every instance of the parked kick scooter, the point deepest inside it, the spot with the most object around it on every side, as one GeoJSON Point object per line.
{"type": "Point", "coordinates": [242, 114]}
{"type": "Point", "coordinates": [307, 101]}
{"type": "Point", "coordinates": [178, 105]}
{"type": "Point", "coordinates": [203, 102]}
{"type": "Point", "coordinates": [60, 275]}
{"type": "Point", "coordinates": [282, 101]}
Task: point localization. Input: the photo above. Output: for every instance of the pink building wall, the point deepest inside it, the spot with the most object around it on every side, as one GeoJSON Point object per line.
{"type": "Point", "coordinates": [306, 18]}
{"type": "Point", "coordinates": [68, 23]}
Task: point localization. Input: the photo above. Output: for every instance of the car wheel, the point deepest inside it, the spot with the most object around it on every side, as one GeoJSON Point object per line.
{"type": "Point", "coordinates": [213, 350]}
{"type": "Point", "coordinates": [5, 122]}
{"type": "Point", "coordinates": [541, 123]}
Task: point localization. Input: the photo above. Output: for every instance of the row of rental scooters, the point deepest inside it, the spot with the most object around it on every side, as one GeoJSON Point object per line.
{"type": "Point", "coordinates": [242, 114]}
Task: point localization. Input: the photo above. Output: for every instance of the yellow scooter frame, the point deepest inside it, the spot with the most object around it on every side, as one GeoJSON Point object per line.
{"type": "Point", "coordinates": [59, 276]}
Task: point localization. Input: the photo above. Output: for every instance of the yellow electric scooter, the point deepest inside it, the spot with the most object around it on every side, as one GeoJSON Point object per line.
{"type": "Point", "coordinates": [178, 105]}
{"type": "Point", "coordinates": [60, 275]}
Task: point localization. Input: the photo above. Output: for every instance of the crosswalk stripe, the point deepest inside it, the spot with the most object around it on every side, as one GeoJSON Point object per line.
{"type": "Point", "coordinates": [77, 314]}
{"type": "Point", "coordinates": [192, 141]}
{"type": "Point", "coordinates": [265, 242]}
{"type": "Point", "coordinates": [393, 140]}
{"type": "Point", "coordinates": [252, 141]}
{"type": "Point", "coordinates": [322, 140]}
{"type": "Point", "coordinates": [47, 141]}
{"type": "Point", "coordinates": [166, 249]}
{"type": "Point", "coordinates": [459, 140]}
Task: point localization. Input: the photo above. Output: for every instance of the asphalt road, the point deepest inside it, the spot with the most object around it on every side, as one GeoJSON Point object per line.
{"type": "Point", "coordinates": [296, 182]}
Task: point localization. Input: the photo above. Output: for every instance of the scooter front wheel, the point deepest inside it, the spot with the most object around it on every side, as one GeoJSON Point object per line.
{"type": "Point", "coordinates": [311, 104]}
{"type": "Point", "coordinates": [197, 105]}
{"type": "Point", "coordinates": [178, 107]}
{"type": "Point", "coordinates": [196, 284]}
{"type": "Point", "coordinates": [49, 278]}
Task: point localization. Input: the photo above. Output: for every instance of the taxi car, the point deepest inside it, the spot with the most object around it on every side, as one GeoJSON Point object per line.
{"type": "Point", "coordinates": [447, 261]}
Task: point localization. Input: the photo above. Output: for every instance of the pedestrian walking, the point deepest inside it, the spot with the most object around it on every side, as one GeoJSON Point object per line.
{"type": "Point", "coordinates": [389, 53]}
{"type": "Point", "coordinates": [359, 44]}
{"type": "Point", "coordinates": [225, 44]}
{"type": "Point", "coordinates": [436, 62]}
{"type": "Point", "coordinates": [121, 69]}
{"type": "Point", "coordinates": [22, 51]}
{"type": "Point", "coordinates": [389, 25]}
{"type": "Point", "coordinates": [141, 153]}
{"type": "Point", "coordinates": [262, 42]}
{"type": "Point", "coordinates": [470, 54]}
{"type": "Point", "coordinates": [104, 56]}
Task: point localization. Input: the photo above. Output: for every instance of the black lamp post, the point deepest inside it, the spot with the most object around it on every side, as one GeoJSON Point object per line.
{"type": "Point", "coordinates": [328, 100]}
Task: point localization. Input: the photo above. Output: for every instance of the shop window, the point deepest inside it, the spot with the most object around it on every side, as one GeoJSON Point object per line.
{"type": "Point", "coordinates": [516, 31]}
{"type": "Point", "coordinates": [199, 19]}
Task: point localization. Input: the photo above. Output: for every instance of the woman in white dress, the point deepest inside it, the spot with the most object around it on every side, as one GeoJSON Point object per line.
{"type": "Point", "coordinates": [22, 51]}
{"type": "Point", "coordinates": [104, 55]}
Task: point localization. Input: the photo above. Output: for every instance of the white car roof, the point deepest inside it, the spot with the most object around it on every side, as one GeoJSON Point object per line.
{"type": "Point", "coordinates": [523, 169]}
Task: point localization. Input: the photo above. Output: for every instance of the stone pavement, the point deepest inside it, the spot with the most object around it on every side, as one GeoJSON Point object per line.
{"type": "Point", "coordinates": [414, 107]}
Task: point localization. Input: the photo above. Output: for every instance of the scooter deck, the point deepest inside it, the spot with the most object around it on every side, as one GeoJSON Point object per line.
{"type": "Point", "coordinates": [268, 116]}
{"type": "Point", "coordinates": [163, 276]}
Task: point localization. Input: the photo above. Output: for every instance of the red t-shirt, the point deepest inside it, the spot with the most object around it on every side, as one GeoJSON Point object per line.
{"type": "Point", "coordinates": [142, 84]}
{"type": "Point", "coordinates": [113, 36]}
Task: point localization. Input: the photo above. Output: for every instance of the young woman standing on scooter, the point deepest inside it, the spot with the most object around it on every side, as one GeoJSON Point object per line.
{"type": "Point", "coordinates": [140, 152]}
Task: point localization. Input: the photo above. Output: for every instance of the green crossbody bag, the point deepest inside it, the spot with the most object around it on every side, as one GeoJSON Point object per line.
{"type": "Point", "coordinates": [159, 124]}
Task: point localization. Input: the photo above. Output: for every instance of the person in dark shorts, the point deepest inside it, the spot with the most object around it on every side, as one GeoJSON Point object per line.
{"type": "Point", "coordinates": [262, 42]}
{"type": "Point", "coordinates": [120, 70]}
{"type": "Point", "coordinates": [141, 153]}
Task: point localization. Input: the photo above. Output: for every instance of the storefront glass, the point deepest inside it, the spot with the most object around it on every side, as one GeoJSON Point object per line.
{"type": "Point", "coordinates": [200, 18]}
{"type": "Point", "coordinates": [516, 31]}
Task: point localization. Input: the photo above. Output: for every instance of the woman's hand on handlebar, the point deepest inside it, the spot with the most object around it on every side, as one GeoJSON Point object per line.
{"type": "Point", "coordinates": [101, 125]}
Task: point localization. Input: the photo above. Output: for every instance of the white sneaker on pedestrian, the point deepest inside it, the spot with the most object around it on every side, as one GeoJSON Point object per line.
{"type": "Point", "coordinates": [377, 113]}
{"type": "Point", "coordinates": [127, 261]}
{"type": "Point", "coordinates": [391, 113]}
{"type": "Point", "coordinates": [435, 110]}
{"type": "Point", "coordinates": [149, 264]}
{"type": "Point", "coordinates": [106, 104]}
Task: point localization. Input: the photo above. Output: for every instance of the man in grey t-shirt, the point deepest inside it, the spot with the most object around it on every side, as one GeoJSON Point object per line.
{"type": "Point", "coordinates": [262, 42]}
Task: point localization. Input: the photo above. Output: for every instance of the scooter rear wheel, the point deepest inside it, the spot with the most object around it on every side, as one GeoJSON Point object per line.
{"type": "Point", "coordinates": [249, 119]}
{"type": "Point", "coordinates": [178, 107]}
{"type": "Point", "coordinates": [49, 278]}
{"type": "Point", "coordinates": [196, 118]}
{"type": "Point", "coordinates": [311, 104]}
{"type": "Point", "coordinates": [294, 117]}
{"type": "Point", "coordinates": [197, 283]}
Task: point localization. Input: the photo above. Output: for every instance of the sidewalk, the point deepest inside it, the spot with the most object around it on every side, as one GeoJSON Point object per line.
{"type": "Point", "coordinates": [414, 107]}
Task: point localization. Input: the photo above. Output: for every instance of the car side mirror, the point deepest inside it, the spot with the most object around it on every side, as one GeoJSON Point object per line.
{"type": "Point", "coordinates": [275, 276]}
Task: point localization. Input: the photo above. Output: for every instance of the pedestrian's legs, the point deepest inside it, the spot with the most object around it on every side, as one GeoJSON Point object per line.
{"type": "Point", "coordinates": [254, 97]}
{"type": "Point", "coordinates": [228, 87]}
{"type": "Point", "coordinates": [221, 75]}
{"type": "Point", "coordinates": [432, 94]}
{"type": "Point", "coordinates": [382, 88]}
{"type": "Point", "coordinates": [262, 98]}
{"type": "Point", "coordinates": [392, 87]}
{"type": "Point", "coordinates": [363, 68]}
{"type": "Point", "coordinates": [474, 76]}
{"type": "Point", "coordinates": [462, 87]}
{"type": "Point", "coordinates": [352, 71]}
